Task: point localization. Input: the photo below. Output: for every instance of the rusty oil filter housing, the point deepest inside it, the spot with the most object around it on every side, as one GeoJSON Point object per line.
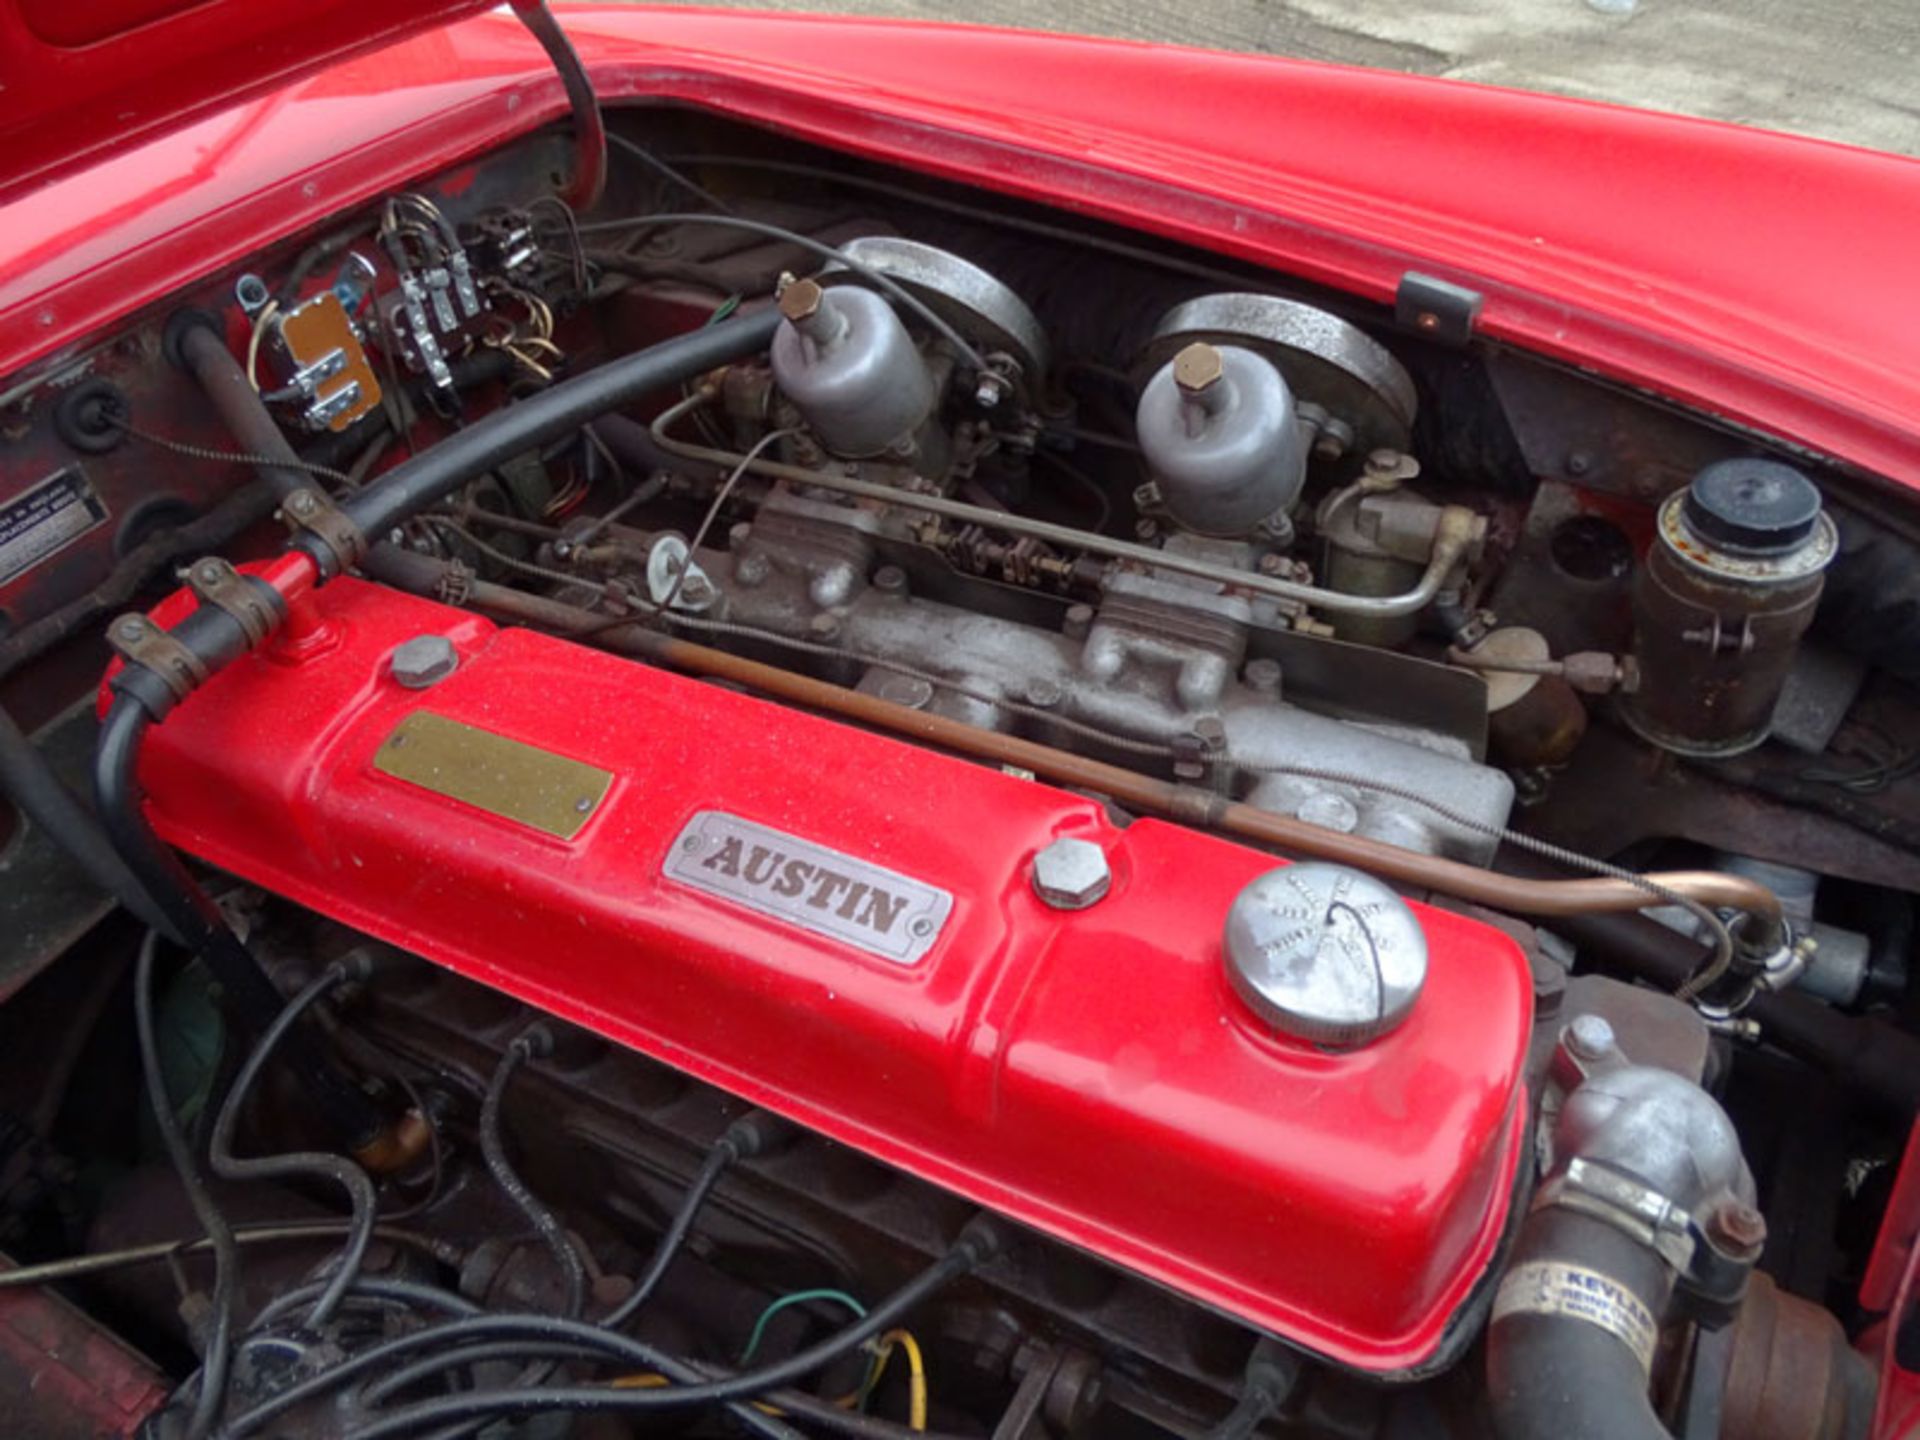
{"type": "Point", "coordinates": [1729, 586]}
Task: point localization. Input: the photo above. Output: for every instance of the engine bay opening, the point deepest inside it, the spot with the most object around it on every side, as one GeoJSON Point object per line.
{"type": "Point", "coordinates": [810, 800]}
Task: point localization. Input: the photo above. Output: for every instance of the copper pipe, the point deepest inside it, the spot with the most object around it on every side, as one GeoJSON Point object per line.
{"type": "Point", "coordinates": [1185, 803]}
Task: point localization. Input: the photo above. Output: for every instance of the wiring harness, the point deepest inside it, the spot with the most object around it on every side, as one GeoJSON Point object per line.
{"type": "Point", "coordinates": [429, 1335]}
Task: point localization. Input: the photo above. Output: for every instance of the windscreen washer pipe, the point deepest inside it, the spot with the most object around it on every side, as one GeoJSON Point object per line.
{"type": "Point", "coordinates": [422, 574]}
{"type": "Point", "coordinates": [1455, 536]}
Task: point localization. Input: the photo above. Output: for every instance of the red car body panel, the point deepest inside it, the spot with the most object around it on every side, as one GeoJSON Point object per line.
{"type": "Point", "coordinates": [1759, 277]}
{"type": "Point", "coordinates": [1350, 1202]}
{"type": "Point", "coordinates": [1754, 275]}
{"type": "Point", "coordinates": [80, 78]}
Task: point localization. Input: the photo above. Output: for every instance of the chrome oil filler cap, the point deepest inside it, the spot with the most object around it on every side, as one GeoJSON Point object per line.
{"type": "Point", "coordinates": [1325, 954]}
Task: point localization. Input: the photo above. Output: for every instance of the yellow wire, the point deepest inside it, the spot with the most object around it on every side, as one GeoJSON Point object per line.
{"type": "Point", "coordinates": [917, 1375]}
{"type": "Point", "coordinates": [267, 312]}
{"type": "Point", "coordinates": [916, 1384]}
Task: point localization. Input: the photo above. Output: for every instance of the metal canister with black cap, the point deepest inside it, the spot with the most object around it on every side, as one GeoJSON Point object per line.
{"type": "Point", "coordinates": [1729, 587]}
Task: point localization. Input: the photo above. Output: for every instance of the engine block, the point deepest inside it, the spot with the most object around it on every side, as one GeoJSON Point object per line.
{"type": "Point", "coordinates": [842, 928]}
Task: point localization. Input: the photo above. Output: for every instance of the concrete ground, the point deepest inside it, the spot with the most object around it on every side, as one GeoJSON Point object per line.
{"type": "Point", "coordinates": [1839, 69]}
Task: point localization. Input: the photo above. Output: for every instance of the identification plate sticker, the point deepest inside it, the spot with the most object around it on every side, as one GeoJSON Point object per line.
{"type": "Point", "coordinates": [46, 519]}
{"type": "Point", "coordinates": [809, 886]}
{"type": "Point", "coordinates": [1544, 1287]}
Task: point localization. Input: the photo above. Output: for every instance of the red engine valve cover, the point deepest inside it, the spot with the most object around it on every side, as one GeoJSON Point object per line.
{"type": "Point", "coordinates": [864, 954]}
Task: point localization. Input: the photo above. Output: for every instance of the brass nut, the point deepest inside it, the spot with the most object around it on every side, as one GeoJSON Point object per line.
{"type": "Point", "coordinates": [800, 299]}
{"type": "Point", "coordinates": [1197, 368]}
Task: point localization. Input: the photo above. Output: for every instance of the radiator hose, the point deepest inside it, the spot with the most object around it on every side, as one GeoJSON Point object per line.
{"type": "Point", "coordinates": [1647, 1193]}
{"type": "Point", "coordinates": [1558, 1377]}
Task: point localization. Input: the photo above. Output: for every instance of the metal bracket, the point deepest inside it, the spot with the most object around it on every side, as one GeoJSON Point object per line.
{"type": "Point", "coordinates": [1437, 309]}
{"type": "Point", "coordinates": [1058, 1392]}
{"type": "Point", "coordinates": [313, 512]}
{"type": "Point", "coordinates": [138, 641]}
{"type": "Point", "coordinates": [218, 584]}
{"type": "Point", "coordinates": [1712, 1279]}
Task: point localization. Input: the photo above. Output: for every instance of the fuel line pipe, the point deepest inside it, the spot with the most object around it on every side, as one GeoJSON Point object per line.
{"type": "Point", "coordinates": [1871, 1057]}
{"type": "Point", "coordinates": [422, 574]}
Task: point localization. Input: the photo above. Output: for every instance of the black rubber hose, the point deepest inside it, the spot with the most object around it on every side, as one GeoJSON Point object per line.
{"type": "Point", "coordinates": [633, 445]}
{"type": "Point", "coordinates": [25, 777]}
{"type": "Point", "coordinates": [974, 1247]}
{"type": "Point", "coordinates": [560, 409]}
{"type": "Point", "coordinates": [338, 449]}
{"type": "Point", "coordinates": [43, 798]}
{"type": "Point", "coordinates": [493, 1149]}
{"type": "Point", "coordinates": [224, 381]}
{"type": "Point", "coordinates": [589, 179]}
{"type": "Point", "coordinates": [1873, 1059]}
{"type": "Point", "coordinates": [1564, 1377]}
{"type": "Point", "coordinates": [298, 1164]}
{"type": "Point", "coordinates": [203, 929]}
{"type": "Point", "coordinates": [218, 1352]}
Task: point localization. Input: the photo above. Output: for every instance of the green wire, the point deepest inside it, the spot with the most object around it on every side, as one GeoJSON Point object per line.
{"type": "Point", "coordinates": [726, 308]}
{"type": "Point", "coordinates": [799, 1297]}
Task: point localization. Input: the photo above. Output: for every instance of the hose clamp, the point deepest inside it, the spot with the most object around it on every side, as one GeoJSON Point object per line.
{"type": "Point", "coordinates": [1753, 973]}
{"type": "Point", "coordinates": [218, 584]}
{"type": "Point", "coordinates": [313, 512]}
{"type": "Point", "coordinates": [138, 641]}
{"type": "Point", "coordinates": [1710, 1260]}
{"type": "Point", "coordinates": [455, 585]}
{"type": "Point", "coordinates": [1636, 1210]}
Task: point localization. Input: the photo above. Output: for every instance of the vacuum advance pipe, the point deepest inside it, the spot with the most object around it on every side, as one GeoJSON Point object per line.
{"type": "Point", "coordinates": [1188, 804]}
{"type": "Point", "coordinates": [1458, 527]}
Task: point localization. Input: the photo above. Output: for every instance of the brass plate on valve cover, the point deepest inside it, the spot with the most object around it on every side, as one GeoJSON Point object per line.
{"type": "Point", "coordinates": [503, 777]}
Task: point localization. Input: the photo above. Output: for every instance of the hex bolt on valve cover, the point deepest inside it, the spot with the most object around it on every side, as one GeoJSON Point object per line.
{"type": "Point", "coordinates": [1071, 874]}
{"type": "Point", "coordinates": [424, 660]}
